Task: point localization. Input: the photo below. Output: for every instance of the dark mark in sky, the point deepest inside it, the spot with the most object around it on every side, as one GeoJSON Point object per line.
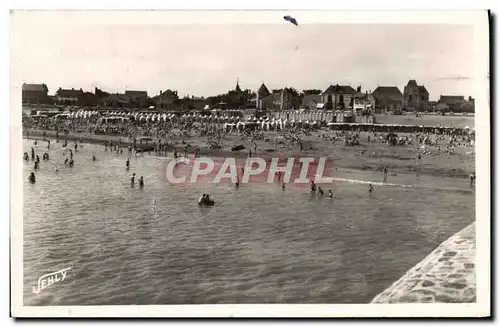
{"type": "Point", "coordinates": [291, 20]}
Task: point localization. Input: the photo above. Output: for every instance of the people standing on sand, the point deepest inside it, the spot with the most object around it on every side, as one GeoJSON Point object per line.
{"type": "Point", "coordinates": [45, 156]}
{"type": "Point", "coordinates": [330, 194]}
{"type": "Point", "coordinates": [472, 178]}
{"type": "Point", "coordinates": [36, 165]}
{"type": "Point", "coordinates": [32, 154]}
{"type": "Point", "coordinates": [132, 180]}
{"type": "Point", "coordinates": [36, 142]}
{"type": "Point", "coordinates": [320, 191]}
{"type": "Point", "coordinates": [26, 157]}
{"type": "Point", "coordinates": [141, 182]}
{"type": "Point", "coordinates": [37, 159]}
{"type": "Point", "coordinates": [48, 144]}
{"type": "Point", "coordinates": [65, 144]}
{"type": "Point", "coordinates": [71, 154]}
{"type": "Point", "coordinates": [76, 147]}
{"type": "Point", "coordinates": [94, 158]}
{"type": "Point", "coordinates": [370, 188]}
{"type": "Point", "coordinates": [127, 164]}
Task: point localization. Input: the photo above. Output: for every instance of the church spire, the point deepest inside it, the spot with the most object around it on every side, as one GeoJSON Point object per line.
{"type": "Point", "coordinates": [237, 89]}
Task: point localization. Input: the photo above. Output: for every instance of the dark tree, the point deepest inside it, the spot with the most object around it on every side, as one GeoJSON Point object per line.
{"type": "Point", "coordinates": [311, 91]}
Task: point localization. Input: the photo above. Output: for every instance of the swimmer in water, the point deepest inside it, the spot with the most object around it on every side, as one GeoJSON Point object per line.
{"type": "Point", "coordinates": [330, 194]}
{"type": "Point", "coordinates": [71, 163]}
{"type": "Point", "coordinates": [313, 187]}
{"type": "Point", "coordinates": [202, 198]}
{"type": "Point", "coordinates": [26, 156]}
{"type": "Point", "coordinates": [127, 163]}
{"type": "Point", "coordinates": [36, 142]}
{"type": "Point", "coordinates": [66, 161]}
{"type": "Point", "coordinates": [94, 158]}
{"type": "Point", "coordinates": [36, 165]}
{"type": "Point", "coordinates": [283, 186]}
{"type": "Point", "coordinates": [32, 178]}
{"type": "Point", "coordinates": [132, 180]}
{"type": "Point", "coordinates": [370, 188]}
{"type": "Point", "coordinates": [57, 170]}
{"type": "Point", "coordinates": [141, 182]}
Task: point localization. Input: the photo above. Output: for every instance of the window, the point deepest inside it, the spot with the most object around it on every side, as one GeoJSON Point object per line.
{"type": "Point", "coordinates": [410, 98]}
{"type": "Point", "coordinates": [422, 98]}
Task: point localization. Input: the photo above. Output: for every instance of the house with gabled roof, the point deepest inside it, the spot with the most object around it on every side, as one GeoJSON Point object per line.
{"type": "Point", "coordinates": [262, 93]}
{"type": "Point", "coordinates": [388, 98]}
{"type": "Point", "coordinates": [281, 100]}
{"type": "Point", "coordinates": [338, 96]}
{"type": "Point", "coordinates": [69, 96]}
{"type": "Point", "coordinates": [35, 93]}
{"type": "Point", "coordinates": [416, 97]}
{"type": "Point", "coordinates": [166, 100]}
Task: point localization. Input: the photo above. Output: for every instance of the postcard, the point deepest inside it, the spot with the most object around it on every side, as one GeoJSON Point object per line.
{"type": "Point", "coordinates": [250, 163]}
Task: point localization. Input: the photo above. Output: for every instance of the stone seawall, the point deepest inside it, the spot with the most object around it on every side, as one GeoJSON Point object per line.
{"type": "Point", "coordinates": [447, 275]}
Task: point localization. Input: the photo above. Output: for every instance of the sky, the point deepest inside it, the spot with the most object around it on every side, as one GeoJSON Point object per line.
{"type": "Point", "coordinates": [204, 60]}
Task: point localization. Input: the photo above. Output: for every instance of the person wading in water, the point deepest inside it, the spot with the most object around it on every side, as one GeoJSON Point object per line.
{"type": "Point", "coordinates": [132, 180]}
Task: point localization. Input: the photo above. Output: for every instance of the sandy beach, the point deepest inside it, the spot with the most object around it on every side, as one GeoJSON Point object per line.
{"type": "Point", "coordinates": [373, 155]}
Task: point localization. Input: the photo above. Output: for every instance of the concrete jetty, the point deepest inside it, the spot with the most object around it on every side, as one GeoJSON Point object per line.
{"type": "Point", "coordinates": [447, 275]}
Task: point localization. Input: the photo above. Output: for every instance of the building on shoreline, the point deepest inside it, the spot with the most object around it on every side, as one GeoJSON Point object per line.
{"type": "Point", "coordinates": [363, 102]}
{"type": "Point", "coordinates": [338, 96]}
{"type": "Point", "coordinates": [455, 103]}
{"type": "Point", "coordinates": [69, 97]}
{"type": "Point", "coordinates": [262, 93]}
{"type": "Point", "coordinates": [416, 97]}
{"type": "Point", "coordinates": [388, 98]}
{"type": "Point", "coordinates": [166, 100]}
{"type": "Point", "coordinates": [35, 94]}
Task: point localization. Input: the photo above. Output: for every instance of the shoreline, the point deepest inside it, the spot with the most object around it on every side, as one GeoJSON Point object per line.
{"type": "Point", "coordinates": [400, 161]}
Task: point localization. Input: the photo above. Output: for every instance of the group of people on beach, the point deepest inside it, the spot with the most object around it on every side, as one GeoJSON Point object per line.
{"type": "Point", "coordinates": [215, 134]}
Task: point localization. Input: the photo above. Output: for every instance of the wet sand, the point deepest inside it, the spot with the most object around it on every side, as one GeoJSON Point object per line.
{"type": "Point", "coordinates": [373, 155]}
